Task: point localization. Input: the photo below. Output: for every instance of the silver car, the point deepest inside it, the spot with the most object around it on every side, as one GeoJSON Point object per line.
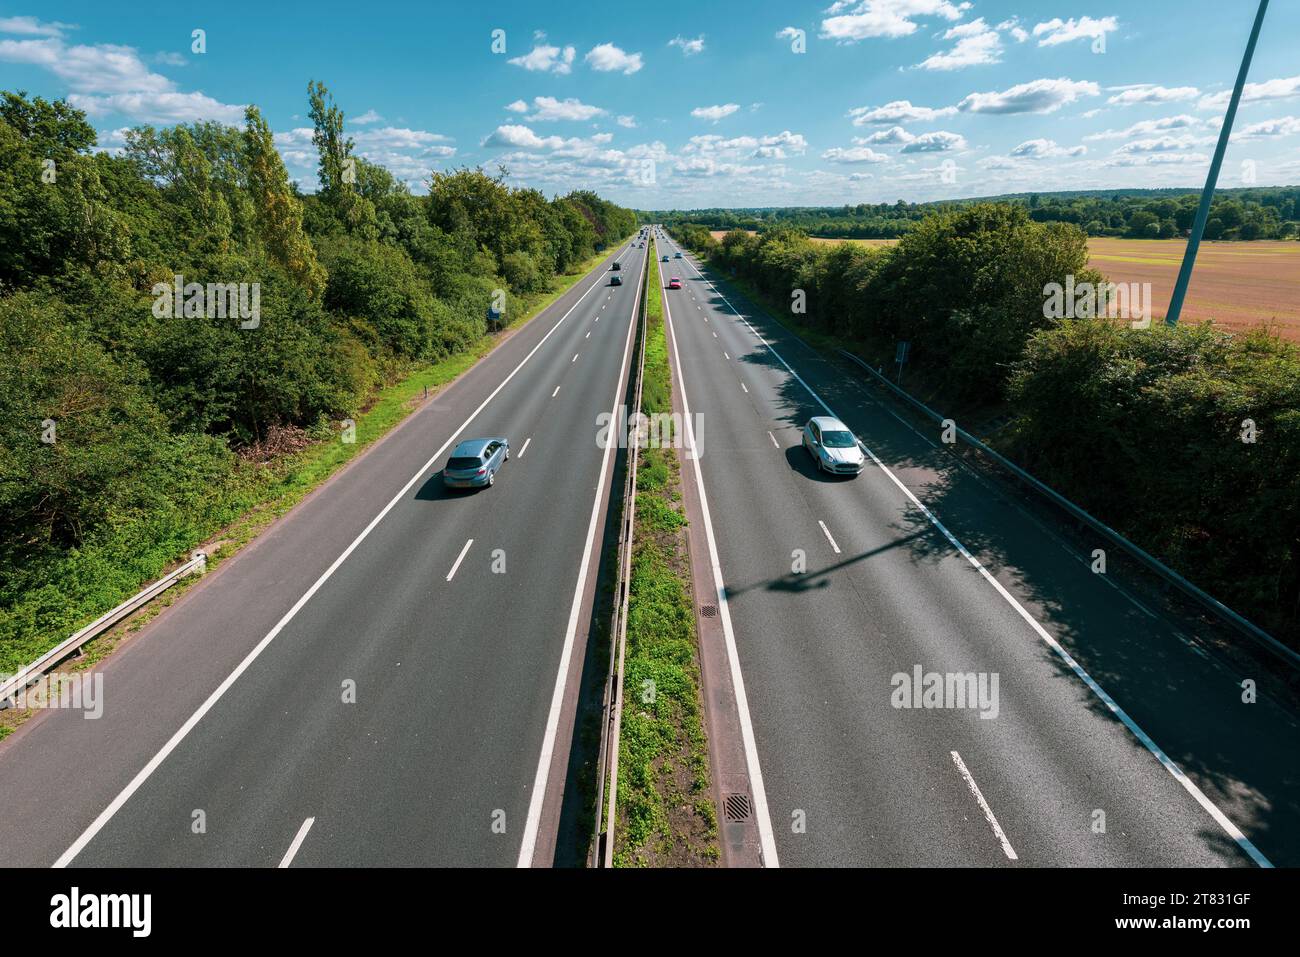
{"type": "Point", "coordinates": [474, 463]}
{"type": "Point", "coordinates": [833, 447]}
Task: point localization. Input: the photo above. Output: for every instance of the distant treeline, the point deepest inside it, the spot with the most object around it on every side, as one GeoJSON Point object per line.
{"type": "Point", "coordinates": [1271, 212]}
{"type": "Point", "coordinates": [1185, 439]}
{"type": "Point", "coordinates": [120, 415]}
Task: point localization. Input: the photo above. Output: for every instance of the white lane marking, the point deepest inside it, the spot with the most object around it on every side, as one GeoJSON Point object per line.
{"type": "Point", "coordinates": [827, 532]}
{"type": "Point", "coordinates": [775, 443]}
{"type": "Point", "coordinates": [1168, 763]}
{"type": "Point", "coordinates": [724, 352]}
{"type": "Point", "coordinates": [174, 741]}
{"type": "Point", "coordinates": [459, 558]}
{"type": "Point", "coordinates": [575, 356]}
{"type": "Point", "coordinates": [297, 842]}
{"type": "Point", "coordinates": [745, 387]}
{"type": "Point", "coordinates": [525, 448]}
{"type": "Point", "coordinates": [766, 837]}
{"type": "Point", "coordinates": [531, 824]}
{"type": "Point", "coordinates": [588, 335]}
{"type": "Point", "coordinates": [556, 392]}
{"type": "Point", "coordinates": [715, 335]}
{"type": "Point", "coordinates": [984, 806]}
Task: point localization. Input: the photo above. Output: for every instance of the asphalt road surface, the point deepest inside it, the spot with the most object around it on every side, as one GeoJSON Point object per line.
{"type": "Point", "coordinates": [1179, 772]}
{"type": "Point", "coordinates": [456, 617]}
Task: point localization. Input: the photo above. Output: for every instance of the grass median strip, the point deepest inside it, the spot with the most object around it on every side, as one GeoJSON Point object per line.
{"type": "Point", "coordinates": [666, 814]}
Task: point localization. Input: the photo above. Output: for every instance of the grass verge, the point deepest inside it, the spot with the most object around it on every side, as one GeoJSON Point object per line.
{"type": "Point", "coordinates": [666, 813]}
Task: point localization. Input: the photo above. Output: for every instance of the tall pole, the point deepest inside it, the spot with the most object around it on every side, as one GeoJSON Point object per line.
{"type": "Point", "coordinates": [1203, 211]}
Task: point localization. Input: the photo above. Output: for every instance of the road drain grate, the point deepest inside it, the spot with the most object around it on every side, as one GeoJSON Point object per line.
{"type": "Point", "coordinates": [736, 808]}
{"type": "Point", "coordinates": [709, 611]}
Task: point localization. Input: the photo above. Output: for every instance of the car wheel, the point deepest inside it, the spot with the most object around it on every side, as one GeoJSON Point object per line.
{"type": "Point", "coordinates": [507, 458]}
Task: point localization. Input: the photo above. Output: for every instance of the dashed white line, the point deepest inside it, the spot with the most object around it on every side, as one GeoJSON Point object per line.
{"type": "Point", "coordinates": [525, 448]}
{"type": "Point", "coordinates": [827, 533]}
{"type": "Point", "coordinates": [984, 806]}
{"type": "Point", "coordinates": [745, 387]}
{"type": "Point", "coordinates": [556, 392]}
{"type": "Point", "coordinates": [775, 443]}
{"type": "Point", "coordinates": [459, 558]}
{"type": "Point", "coordinates": [724, 352]}
{"type": "Point", "coordinates": [575, 357]}
{"type": "Point", "coordinates": [297, 842]}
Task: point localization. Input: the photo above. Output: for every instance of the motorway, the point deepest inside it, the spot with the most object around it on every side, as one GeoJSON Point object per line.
{"type": "Point", "coordinates": [455, 622]}
{"type": "Point", "coordinates": [1117, 741]}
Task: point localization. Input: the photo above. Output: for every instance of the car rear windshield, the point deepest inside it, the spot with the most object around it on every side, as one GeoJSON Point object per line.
{"type": "Point", "coordinates": [838, 440]}
{"type": "Point", "coordinates": [463, 462]}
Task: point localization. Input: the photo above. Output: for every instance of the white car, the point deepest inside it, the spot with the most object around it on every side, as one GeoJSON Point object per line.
{"type": "Point", "coordinates": [833, 447]}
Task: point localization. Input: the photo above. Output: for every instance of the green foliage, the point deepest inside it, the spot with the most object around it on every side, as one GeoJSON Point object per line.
{"type": "Point", "coordinates": [1157, 441]}
{"type": "Point", "coordinates": [357, 286]}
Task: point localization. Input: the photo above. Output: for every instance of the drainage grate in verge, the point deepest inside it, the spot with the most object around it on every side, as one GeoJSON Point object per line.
{"type": "Point", "coordinates": [736, 808]}
{"type": "Point", "coordinates": [709, 611]}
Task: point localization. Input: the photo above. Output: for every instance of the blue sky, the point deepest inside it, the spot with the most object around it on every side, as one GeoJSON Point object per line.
{"type": "Point", "coordinates": [706, 104]}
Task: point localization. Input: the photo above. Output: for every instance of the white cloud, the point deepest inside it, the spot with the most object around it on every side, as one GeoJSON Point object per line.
{"type": "Point", "coordinates": [607, 58]}
{"type": "Point", "coordinates": [1148, 127]}
{"type": "Point", "coordinates": [854, 154]}
{"type": "Point", "coordinates": [1151, 93]}
{"type": "Point", "coordinates": [788, 33]}
{"type": "Point", "coordinates": [1037, 96]}
{"type": "Point", "coordinates": [518, 106]}
{"type": "Point", "coordinates": [1046, 149]}
{"type": "Point", "coordinates": [1268, 129]}
{"type": "Point", "coordinates": [977, 44]}
{"type": "Point", "coordinates": [884, 18]}
{"type": "Point", "coordinates": [688, 47]}
{"type": "Point", "coordinates": [899, 111]}
{"type": "Point", "coordinates": [1279, 89]}
{"type": "Point", "coordinates": [549, 108]}
{"type": "Point", "coordinates": [395, 138]}
{"type": "Point", "coordinates": [1160, 159]}
{"type": "Point", "coordinates": [547, 59]}
{"type": "Point", "coordinates": [774, 146]}
{"type": "Point", "coordinates": [627, 121]}
{"type": "Point", "coordinates": [940, 141]}
{"type": "Point", "coordinates": [714, 113]}
{"type": "Point", "coordinates": [369, 116]}
{"type": "Point", "coordinates": [160, 108]}
{"type": "Point", "coordinates": [1057, 31]}
{"type": "Point", "coordinates": [32, 27]}
{"type": "Point", "coordinates": [1015, 29]}
{"type": "Point", "coordinates": [1157, 144]}
{"type": "Point", "coordinates": [895, 135]}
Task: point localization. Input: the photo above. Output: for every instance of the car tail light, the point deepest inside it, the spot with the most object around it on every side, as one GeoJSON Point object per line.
{"type": "Point", "coordinates": [482, 471]}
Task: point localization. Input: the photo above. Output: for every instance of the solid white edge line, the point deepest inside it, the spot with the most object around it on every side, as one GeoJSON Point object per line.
{"type": "Point", "coordinates": [525, 448]}
{"type": "Point", "coordinates": [775, 443]}
{"type": "Point", "coordinates": [827, 532]}
{"type": "Point", "coordinates": [531, 824]}
{"type": "Point", "coordinates": [459, 558]}
{"type": "Point", "coordinates": [984, 806]}
{"type": "Point", "coordinates": [1169, 765]}
{"type": "Point", "coordinates": [174, 741]}
{"type": "Point", "coordinates": [766, 838]}
{"type": "Point", "coordinates": [297, 842]}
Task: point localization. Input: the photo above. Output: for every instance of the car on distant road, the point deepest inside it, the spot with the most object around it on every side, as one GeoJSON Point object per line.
{"type": "Point", "coordinates": [616, 279]}
{"type": "Point", "coordinates": [678, 254]}
{"type": "Point", "coordinates": [474, 462]}
{"type": "Point", "coordinates": [674, 283]}
{"type": "Point", "coordinates": [833, 447]}
{"type": "Point", "coordinates": [665, 258]}
{"type": "Point", "coordinates": [617, 265]}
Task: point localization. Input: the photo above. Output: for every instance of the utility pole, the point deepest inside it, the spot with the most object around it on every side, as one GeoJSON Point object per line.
{"type": "Point", "coordinates": [1203, 211]}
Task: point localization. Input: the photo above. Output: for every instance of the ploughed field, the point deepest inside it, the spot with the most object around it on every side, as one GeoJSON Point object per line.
{"type": "Point", "coordinates": [1239, 285]}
